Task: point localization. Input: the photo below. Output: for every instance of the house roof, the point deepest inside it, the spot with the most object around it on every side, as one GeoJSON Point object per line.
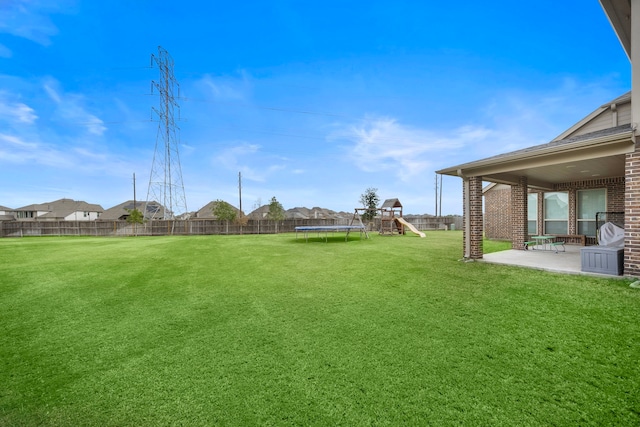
{"type": "Point", "coordinates": [259, 213]}
{"type": "Point", "coordinates": [62, 208]}
{"type": "Point", "coordinates": [207, 210]}
{"type": "Point", "coordinates": [121, 211]}
{"type": "Point", "coordinates": [313, 213]}
{"type": "Point", "coordinates": [301, 213]}
{"type": "Point", "coordinates": [597, 154]}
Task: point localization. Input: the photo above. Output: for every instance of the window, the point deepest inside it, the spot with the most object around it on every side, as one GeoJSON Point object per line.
{"type": "Point", "coordinates": [556, 213]}
{"type": "Point", "coordinates": [532, 213]}
{"type": "Point", "coordinates": [26, 214]}
{"type": "Point", "coordinates": [589, 203]}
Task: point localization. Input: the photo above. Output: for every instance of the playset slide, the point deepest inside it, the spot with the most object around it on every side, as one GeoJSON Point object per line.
{"type": "Point", "coordinates": [410, 226]}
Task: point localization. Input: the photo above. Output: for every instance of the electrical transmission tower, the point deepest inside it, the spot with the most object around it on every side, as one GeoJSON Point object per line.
{"type": "Point", "coordinates": [165, 181]}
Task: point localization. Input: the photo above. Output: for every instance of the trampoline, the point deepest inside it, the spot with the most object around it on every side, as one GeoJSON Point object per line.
{"type": "Point", "coordinates": [326, 229]}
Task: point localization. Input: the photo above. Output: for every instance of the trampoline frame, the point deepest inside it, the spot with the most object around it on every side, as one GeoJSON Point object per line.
{"type": "Point", "coordinates": [326, 229]}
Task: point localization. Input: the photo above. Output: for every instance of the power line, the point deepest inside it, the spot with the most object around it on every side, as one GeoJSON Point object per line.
{"type": "Point", "coordinates": [280, 109]}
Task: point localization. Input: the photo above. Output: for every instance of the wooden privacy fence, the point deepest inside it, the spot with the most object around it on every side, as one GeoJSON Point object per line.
{"type": "Point", "coordinates": [180, 227]}
{"type": "Point", "coordinates": [151, 228]}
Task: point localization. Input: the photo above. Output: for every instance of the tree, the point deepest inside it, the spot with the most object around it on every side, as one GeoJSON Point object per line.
{"type": "Point", "coordinates": [276, 211]}
{"type": "Point", "coordinates": [135, 217]}
{"type": "Point", "coordinates": [369, 200]}
{"type": "Point", "coordinates": [224, 212]}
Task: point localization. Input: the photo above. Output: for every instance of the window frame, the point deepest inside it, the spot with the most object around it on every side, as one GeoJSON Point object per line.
{"type": "Point", "coordinates": [547, 220]}
{"type": "Point", "coordinates": [579, 219]}
{"type": "Point", "coordinates": [532, 230]}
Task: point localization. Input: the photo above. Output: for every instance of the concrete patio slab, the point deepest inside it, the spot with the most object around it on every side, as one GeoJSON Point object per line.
{"type": "Point", "coordinates": [567, 262]}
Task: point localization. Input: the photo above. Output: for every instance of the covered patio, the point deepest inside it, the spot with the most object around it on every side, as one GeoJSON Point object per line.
{"type": "Point", "coordinates": [567, 262]}
{"type": "Point", "coordinates": [598, 153]}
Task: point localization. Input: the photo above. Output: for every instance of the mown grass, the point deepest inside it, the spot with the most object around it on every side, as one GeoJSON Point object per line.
{"type": "Point", "coordinates": [270, 330]}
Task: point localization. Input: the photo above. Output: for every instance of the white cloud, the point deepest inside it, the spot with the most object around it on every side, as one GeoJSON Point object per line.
{"type": "Point", "coordinates": [233, 158]}
{"type": "Point", "coordinates": [72, 160]}
{"type": "Point", "coordinates": [224, 87]}
{"type": "Point", "coordinates": [383, 144]}
{"type": "Point", "coordinates": [18, 150]}
{"type": "Point", "coordinates": [16, 112]}
{"type": "Point", "coordinates": [251, 161]}
{"type": "Point", "coordinates": [70, 108]}
{"type": "Point", "coordinates": [29, 19]}
{"type": "Point", "coordinates": [511, 120]}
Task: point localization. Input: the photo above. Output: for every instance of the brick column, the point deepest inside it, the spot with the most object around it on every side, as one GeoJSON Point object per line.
{"type": "Point", "coordinates": [472, 214]}
{"type": "Point", "coordinates": [519, 214]}
{"type": "Point", "coordinates": [632, 215]}
{"type": "Point", "coordinates": [573, 208]}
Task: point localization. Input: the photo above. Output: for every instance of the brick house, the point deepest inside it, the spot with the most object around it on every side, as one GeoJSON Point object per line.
{"type": "Point", "coordinates": [555, 188]}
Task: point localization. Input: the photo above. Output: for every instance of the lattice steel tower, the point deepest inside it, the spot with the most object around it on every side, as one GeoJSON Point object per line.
{"type": "Point", "coordinates": [165, 181]}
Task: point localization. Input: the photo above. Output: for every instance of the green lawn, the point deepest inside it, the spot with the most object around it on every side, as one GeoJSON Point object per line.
{"type": "Point", "coordinates": [270, 330]}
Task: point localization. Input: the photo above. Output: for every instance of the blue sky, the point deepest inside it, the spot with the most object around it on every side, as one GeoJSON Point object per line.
{"type": "Point", "coordinates": [312, 101]}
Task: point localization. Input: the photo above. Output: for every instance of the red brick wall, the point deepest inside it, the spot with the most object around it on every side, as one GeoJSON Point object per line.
{"type": "Point", "coordinates": [498, 217]}
{"type": "Point", "coordinates": [498, 213]}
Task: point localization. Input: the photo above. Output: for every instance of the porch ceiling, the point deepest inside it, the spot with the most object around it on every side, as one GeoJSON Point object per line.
{"type": "Point", "coordinates": [544, 177]}
{"type": "Point", "coordinates": [591, 156]}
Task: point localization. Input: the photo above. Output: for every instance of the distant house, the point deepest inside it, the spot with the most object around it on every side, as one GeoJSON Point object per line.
{"type": "Point", "coordinates": [121, 211]}
{"type": "Point", "coordinates": [6, 214]}
{"type": "Point", "coordinates": [301, 213]}
{"type": "Point", "coordinates": [259, 213]}
{"type": "Point", "coordinates": [206, 212]}
{"type": "Point", "coordinates": [314, 213]}
{"type": "Point", "coordinates": [59, 210]}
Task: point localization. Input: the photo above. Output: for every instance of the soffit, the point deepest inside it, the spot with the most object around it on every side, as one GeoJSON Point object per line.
{"type": "Point", "coordinates": [545, 177]}
{"type": "Point", "coordinates": [619, 14]}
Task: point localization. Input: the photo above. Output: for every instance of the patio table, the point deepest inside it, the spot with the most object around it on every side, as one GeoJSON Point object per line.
{"type": "Point", "coordinates": [544, 241]}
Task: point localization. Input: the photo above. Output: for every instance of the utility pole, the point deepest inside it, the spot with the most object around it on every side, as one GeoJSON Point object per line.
{"type": "Point", "coordinates": [440, 204]}
{"type": "Point", "coordinates": [436, 194]}
{"type": "Point", "coordinates": [165, 182]}
{"type": "Point", "coordinates": [134, 191]}
{"type": "Point", "coordinates": [240, 191]}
